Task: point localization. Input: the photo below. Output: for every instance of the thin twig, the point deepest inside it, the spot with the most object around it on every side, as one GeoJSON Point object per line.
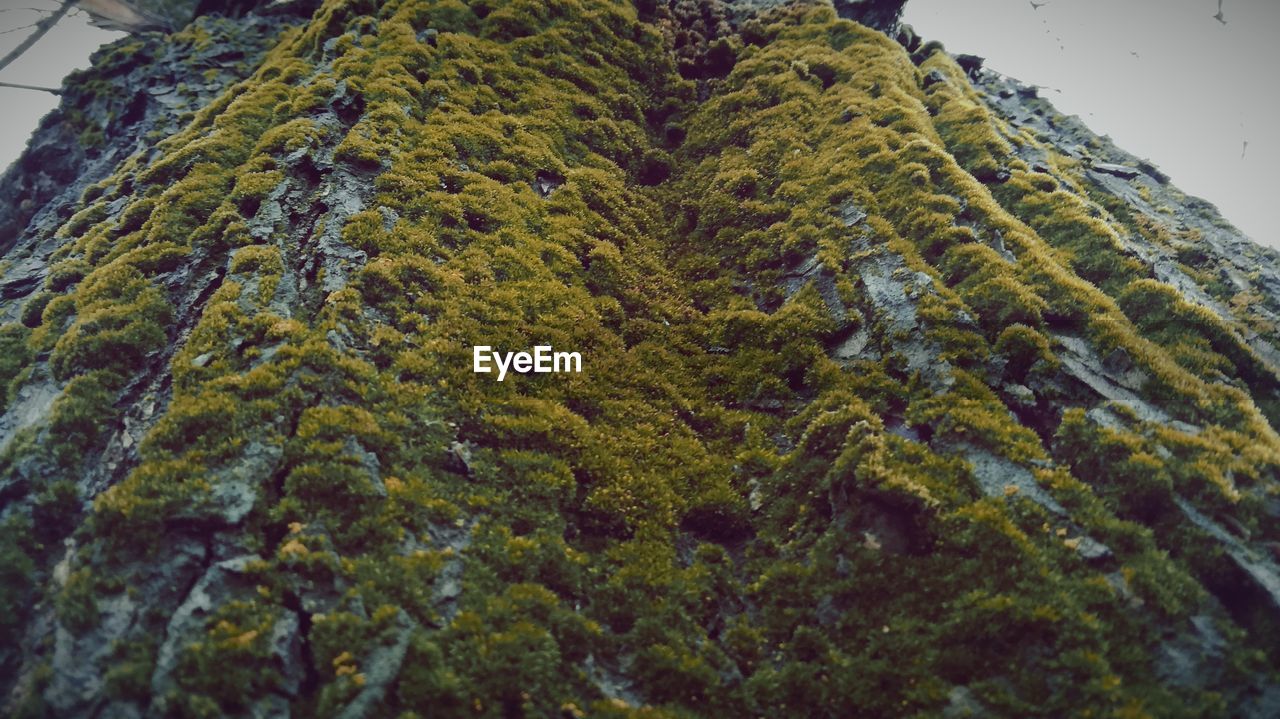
{"type": "Point", "coordinates": [42, 27]}
{"type": "Point", "coordinates": [16, 29]}
{"type": "Point", "coordinates": [53, 90]}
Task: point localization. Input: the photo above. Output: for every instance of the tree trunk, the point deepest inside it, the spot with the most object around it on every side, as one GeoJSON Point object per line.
{"type": "Point", "coordinates": [851, 384]}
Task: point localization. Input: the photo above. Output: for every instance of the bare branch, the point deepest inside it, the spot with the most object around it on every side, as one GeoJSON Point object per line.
{"type": "Point", "coordinates": [53, 90]}
{"type": "Point", "coordinates": [16, 29]}
{"type": "Point", "coordinates": [42, 27]}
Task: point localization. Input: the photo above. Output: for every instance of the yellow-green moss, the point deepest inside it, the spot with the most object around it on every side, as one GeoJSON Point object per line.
{"type": "Point", "coordinates": [698, 509]}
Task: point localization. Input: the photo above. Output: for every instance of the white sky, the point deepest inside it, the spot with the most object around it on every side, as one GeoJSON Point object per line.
{"type": "Point", "coordinates": [65, 48]}
{"type": "Point", "coordinates": [1195, 91]}
{"type": "Point", "coordinates": [1188, 100]}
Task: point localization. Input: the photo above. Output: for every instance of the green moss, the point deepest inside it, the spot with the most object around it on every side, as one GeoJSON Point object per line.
{"type": "Point", "coordinates": [120, 318]}
{"type": "Point", "coordinates": [1025, 348]}
{"type": "Point", "coordinates": [716, 508]}
{"type": "Point", "coordinates": [1195, 337]}
{"type": "Point", "coordinates": [14, 354]}
{"type": "Point", "coordinates": [17, 570]}
{"type": "Point", "coordinates": [79, 414]}
{"type": "Point", "coordinates": [129, 678]}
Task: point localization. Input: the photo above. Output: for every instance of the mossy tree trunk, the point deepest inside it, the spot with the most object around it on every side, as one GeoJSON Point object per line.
{"type": "Point", "coordinates": [892, 403]}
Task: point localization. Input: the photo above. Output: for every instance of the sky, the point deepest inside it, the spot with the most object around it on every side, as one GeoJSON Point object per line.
{"type": "Point", "coordinates": [1164, 78]}
{"type": "Point", "coordinates": [65, 48]}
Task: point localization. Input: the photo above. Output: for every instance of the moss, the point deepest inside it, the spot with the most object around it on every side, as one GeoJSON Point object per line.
{"type": "Point", "coordinates": [1195, 337]}
{"type": "Point", "coordinates": [79, 415]}
{"type": "Point", "coordinates": [222, 672]}
{"type": "Point", "coordinates": [129, 677]}
{"type": "Point", "coordinates": [1004, 301]}
{"type": "Point", "coordinates": [717, 507]}
{"type": "Point", "coordinates": [76, 608]}
{"type": "Point", "coordinates": [120, 319]}
{"type": "Point", "coordinates": [1025, 348]}
{"type": "Point", "coordinates": [1136, 481]}
{"type": "Point", "coordinates": [18, 572]}
{"type": "Point", "coordinates": [14, 354]}
{"type": "Point", "coordinates": [64, 274]}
